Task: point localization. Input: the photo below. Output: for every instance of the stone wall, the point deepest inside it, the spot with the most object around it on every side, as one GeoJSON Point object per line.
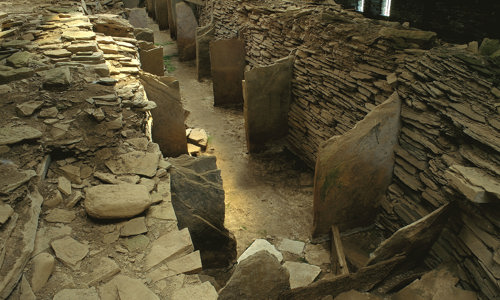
{"type": "Point", "coordinates": [346, 65]}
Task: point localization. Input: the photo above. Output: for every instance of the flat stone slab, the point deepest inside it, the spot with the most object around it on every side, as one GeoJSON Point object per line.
{"type": "Point", "coordinates": [186, 31]}
{"type": "Point", "coordinates": [77, 294]}
{"type": "Point", "coordinates": [43, 266]}
{"type": "Point", "coordinates": [126, 288]}
{"type": "Point", "coordinates": [204, 291]}
{"type": "Point", "coordinates": [58, 215]}
{"type": "Point", "coordinates": [294, 247]}
{"type": "Point", "coordinates": [134, 227]}
{"type": "Point", "coordinates": [26, 109]}
{"type": "Point", "coordinates": [135, 162]}
{"type": "Point", "coordinates": [168, 245]}
{"type": "Point", "coordinates": [109, 201]}
{"type": "Point", "coordinates": [5, 212]}
{"type": "Point", "coordinates": [301, 274]}
{"type": "Point", "coordinates": [11, 135]}
{"type": "Point", "coordinates": [78, 35]}
{"type": "Point", "coordinates": [259, 245]}
{"type": "Point", "coordinates": [12, 177]}
{"type": "Point", "coordinates": [317, 255]}
{"type": "Point", "coordinates": [69, 251]}
{"type": "Point", "coordinates": [103, 269]}
{"type": "Point", "coordinates": [58, 53]}
{"type": "Point", "coordinates": [227, 58]}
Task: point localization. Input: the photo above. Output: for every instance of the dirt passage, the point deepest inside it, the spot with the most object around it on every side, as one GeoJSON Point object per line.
{"type": "Point", "coordinates": [267, 195]}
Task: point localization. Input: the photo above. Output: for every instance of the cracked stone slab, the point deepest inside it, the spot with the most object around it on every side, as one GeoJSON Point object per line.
{"type": "Point", "coordinates": [77, 294]}
{"type": "Point", "coordinates": [301, 274]}
{"type": "Point", "coordinates": [69, 250]}
{"type": "Point", "coordinates": [11, 135]}
{"type": "Point", "coordinates": [136, 162]}
{"type": "Point", "coordinates": [259, 245]}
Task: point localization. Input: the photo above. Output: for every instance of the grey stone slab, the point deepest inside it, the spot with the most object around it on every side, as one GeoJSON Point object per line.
{"type": "Point", "coordinates": [186, 31]}
{"type": "Point", "coordinates": [204, 35]}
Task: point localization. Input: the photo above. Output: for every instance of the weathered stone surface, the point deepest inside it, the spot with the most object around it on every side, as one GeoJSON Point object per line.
{"type": "Point", "coordinates": [58, 53]}
{"type": "Point", "coordinates": [26, 109]}
{"type": "Point", "coordinates": [172, 17]}
{"type": "Point", "coordinates": [47, 234]}
{"type": "Point", "coordinates": [135, 243]}
{"type": "Point", "coordinates": [198, 200]}
{"type": "Point", "coordinates": [58, 215]}
{"type": "Point", "coordinates": [11, 135]}
{"type": "Point", "coordinates": [9, 74]}
{"type": "Point", "coordinates": [188, 264]}
{"type": "Point", "coordinates": [258, 277]}
{"type": "Point", "coordinates": [137, 162]}
{"type": "Point", "coordinates": [424, 38]}
{"type": "Point", "coordinates": [437, 284]}
{"type": "Point", "coordinates": [355, 295]}
{"type": "Point", "coordinates": [317, 254]}
{"type": "Point", "coordinates": [43, 266]}
{"type": "Point", "coordinates": [204, 291]}
{"type": "Point", "coordinates": [138, 18]}
{"type": "Point", "coordinates": [260, 245]}
{"type": "Point", "coordinates": [354, 170]}
{"type": "Point", "coordinates": [267, 89]}
{"type": "Point", "coordinates": [152, 60]}
{"type": "Point", "coordinates": [127, 288]}
{"type": "Point", "coordinates": [134, 227]}
{"type": "Point", "coordinates": [173, 244]}
{"type": "Point", "coordinates": [64, 185]}
{"type": "Point", "coordinates": [227, 59]}
{"type": "Point", "coordinates": [474, 183]}
{"type": "Point", "coordinates": [12, 177]}
{"type": "Point", "coordinates": [144, 34]}
{"type": "Point", "coordinates": [77, 294]}
{"type": "Point", "coordinates": [198, 137]}
{"type": "Point", "coordinates": [294, 247]}
{"type": "Point", "coordinates": [20, 59]}
{"type": "Point", "coordinates": [5, 212]}
{"type": "Point", "coordinates": [204, 35]}
{"type": "Point", "coordinates": [56, 78]}
{"type": "Point", "coordinates": [168, 128]}
{"type": "Point", "coordinates": [69, 251]}
{"type": "Point", "coordinates": [489, 46]}
{"type": "Point", "coordinates": [413, 240]}
{"type": "Point", "coordinates": [112, 25]}
{"type": "Point", "coordinates": [301, 274]}
{"type": "Point", "coordinates": [82, 47]}
{"type": "Point", "coordinates": [186, 31]}
{"type": "Point", "coordinates": [116, 201]}
{"type": "Point", "coordinates": [23, 291]}
{"type": "Point", "coordinates": [73, 35]}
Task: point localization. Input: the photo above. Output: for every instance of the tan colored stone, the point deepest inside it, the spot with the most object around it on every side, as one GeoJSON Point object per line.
{"type": "Point", "coordinates": [43, 266]}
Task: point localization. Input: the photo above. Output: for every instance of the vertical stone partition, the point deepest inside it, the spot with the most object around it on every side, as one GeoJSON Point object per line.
{"type": "Point", "coordinates": [172, 17]}
{"type": "Point", "coordinates": [204, 35]}
{"type": "Point", "coordinates": [266, 93]}
{"type": "Point", "coordinates": [354, 170]}
{"type": "Point", "coordinates": [151, 58]}
{"type": "Point", "coordinates": [186, 31]}
{"type": "Point", "coordinates": [161, 12]}
{"type": "Point", "coordinates": [168, 118]}
{"type": "Point", "coordinates": [227, 58]}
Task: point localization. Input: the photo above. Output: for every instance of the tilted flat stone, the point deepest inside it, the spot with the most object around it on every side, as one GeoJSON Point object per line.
{"type": "Point", "coordinates": [124, 200]}
{"type": "Point", "coordinates": [134, 227]}
{"type": "Point", "coordinates": [12, 177]}
{"type": "Point", "coordinates": [78, 35]}
{"type": "Point", "coordinates": [15, 74]}
{"type": "Point", "coordinates": [82, 47]}
{"type": "Point", "coordinates": [295, 247]}
{"type": "Point", "coordinates": [103, 269]}
{"type": "Point", "coordinates": [58, 215]}
{"type": "Point", "coordinates": [43, 266]}
{"type": "Point", "coordinates": [69, 251]}
{"type": "Point", "coordinates": [5, 212]}
{"type": "Point", "coordinates": [26, 109]}
{"type": "Point", "coordinates": [259, 245]}
{"type": "Point", "coordinates": [57, 53]}
{"type": "Point", "coordinates": [171, 244]}
{"type": "Point", "coordinates": [301, 274]}
{"type": "Point", "coordinates": [204, 291]}
{"type": "Point", "coordinates": [77, 294]}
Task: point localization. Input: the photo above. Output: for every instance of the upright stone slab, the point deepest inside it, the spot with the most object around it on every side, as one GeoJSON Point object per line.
{"type": "Point", "coordinates": [168, 117]}
{"type": "Point", "coordinates": [138, 18]}
{"type": "Point", "coordinates": [131, 3]}
{"type": "Point", "coordinates": [172, 18]}
{"type": "Point", "coordinates": [152, 59]}
{"type": "Point", "coordinates": [204, 35]}
{"type": "Point", "coordinates": [227, 58]}
{"type": "Point", "coordinates": [186, 31]}
{"type": "Point", "coordinates": [267, 92]}
{"type": "Point", "coordinates": [354, 170]}
{"type": "Point", "coordinates": [161, 13]}
{"type": "Point", "coordinates": [150, 7]}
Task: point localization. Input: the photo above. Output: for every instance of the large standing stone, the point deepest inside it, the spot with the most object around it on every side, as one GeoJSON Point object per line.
{"type": "Point", "coordinates": [267, 92]}
{"type": "Point", "coordinates": [186, 31]}
{"type": "Point", "coordinates": [260, 276]}
{"type": "Point", "coordinates": [168, 118]}
{"type": "Point", "coordinates": [109, 201]}
{"type": "Point", "coordinates": [354, 170]}
{"type": "Point", "coordinates": [198, 200]}
{"type": "Point", "coordinates": [204, 35]}
{"type": "Point", "coordinates": [172, 17]}
{"type": "Point", "coordinates": [227, 58]}
{"type": "Point", "coordinates": [152, 60]}
{"type": "Point", "coordinates": [161, 13]}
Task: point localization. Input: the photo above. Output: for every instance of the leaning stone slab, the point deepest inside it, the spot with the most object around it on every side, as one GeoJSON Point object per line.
{"type": "Point", "coordinates": [13, 178]}
{"type": "Point", "coordinates": [354, 170]}
{"type": "Point", "coordinates": [161, 13]}
{"type": "Point", "coordinates": [186, 31]}
{"type": "Point", "coordinates": [152, 60]}
{"type": "Point", "coordinates": [259, 245]}
{"type": "Point", "coordinates": [227, 59]}
{"type": "Point", "coordinates": [109, 201]}
{"type": "Point", "coordinates": [43, 266]}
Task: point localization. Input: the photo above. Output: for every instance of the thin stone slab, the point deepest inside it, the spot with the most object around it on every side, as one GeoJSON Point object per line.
{"type": "Point", "coordinates": [161, 13]}
{"type": "Point", "coordinates": [204, 291]}
{"type": "Point", "coordinates": [6, 212]}
{"type": "Point", "coordinates": [12, 177]}
{"type": "Point", "coordinates": [227, 58]}
{"type": "Point", "coordinates": [70, 251]}
{"type": "Point", "coordinates": [259, 245]}
{"type": "Point", "coordinates": [204, 35]}
{"type": "Point", "coordinates": [294, 247]}
{"type": "Point", "coordinates": [103, 269]}
{"type": "Point", "coordinates": [11, 135]}
{"type": "Point", "coordinates": [58, 215]}
{"type": "Point", "coordinates": [77, 294]}
{"type": "Point", "coordinates": [267, 96]}
{"type": "Point", "coordinates": [152, 60]}
{"type": "Point", "coordinates": [186, 31]}
{"type": "Point", "coordinates": [172, 244]}
{"type": "Point", "coordinates": [43, 266]}
{"type": "Point", "coordinates": [134, 227]}
{"type": "Point", "coordinates": [301, 274]}
{"type": "Point", "coordinates": [126, 288]}
{"type": "Point", "coordinates": [78, 35]}
{"type": "Point", "coordinates": [137, 162]}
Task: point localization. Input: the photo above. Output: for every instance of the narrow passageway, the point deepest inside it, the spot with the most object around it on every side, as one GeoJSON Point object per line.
{"type": "Point", "coordinates": [268, 195]}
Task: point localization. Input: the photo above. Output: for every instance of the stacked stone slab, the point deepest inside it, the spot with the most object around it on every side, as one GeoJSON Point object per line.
{"type": "Point", "coordinates": [85, 206]}
{"type": "Point", "coordinates": [448, 147]}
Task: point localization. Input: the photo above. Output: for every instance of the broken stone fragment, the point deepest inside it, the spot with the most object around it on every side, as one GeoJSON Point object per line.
{"type": "Point", "coordinates": [103, 269]}
{"type": "Point", "coordinates": [294, 247]}
{"type": "Point", "coordinates": [188, 264]}
{"type": "Point", "coordinates": [5, 212]}
{"type": "Point", "coordinates": [123, 200]}
{"type": "Point", "coordinates": [70, 251]}
{"type": "Point", "coordinates": [126, 288]}
{"type": "Point", "coordinates": [50, 112]}
{"type": "Point", "coordinates": [317, 254]}
{"type": "Point", "coordinates": [43, 266]}
{"type": "Point", "coordinates": [474, 183]}
{"type": "Point", "coordinates": [198, 137]}
{"type": "Point", "coordinates": [8, 74]}
{"type": "Point", "coordinates": [26, 109]}
{"type": "Point", "coordinates": [174, 243]}
{"type": "Point", "coordinates": [58, 53]}
{"type": "Point", "coordinates": [58, 215]}
{"type": "Point", "coordinates": [204, 291]}
{"type": "Point", "coordinates": [260, 276]}
{"type": "Point", "coordinates": [12, 177]}
{"type": "Point", "coordinates": [260, 245]}
{"type": "Point", "coordinates": [64, 185]}
{"type": "Point", "coordinates": [20, 59]}
{"type": "Point", "coordinates": [301, 274]}
{"type": "Point", "coordinates": [134, 227]}
{"type": "Point", "coordinates": [137, 162]}
{"type": "Point", "coordinates": [56, 78]}
{"type": "Point", "coordinates": [11, 135]}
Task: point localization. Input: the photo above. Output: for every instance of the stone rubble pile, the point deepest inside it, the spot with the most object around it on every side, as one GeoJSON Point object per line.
{"type": "Point", "coordinates": [85, 207]}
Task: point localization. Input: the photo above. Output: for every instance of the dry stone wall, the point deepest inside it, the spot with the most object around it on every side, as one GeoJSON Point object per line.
{"type": "Point", "coordinates": [449, 145]}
